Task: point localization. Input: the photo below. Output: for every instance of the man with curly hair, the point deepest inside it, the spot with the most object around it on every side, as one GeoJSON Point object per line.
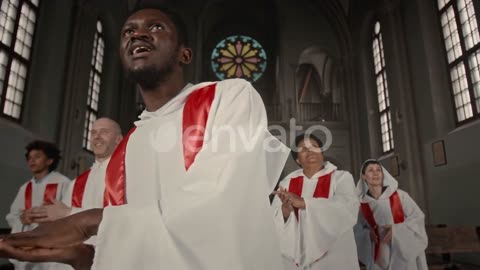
{"type": "Point", "coordinates": [45, 186]}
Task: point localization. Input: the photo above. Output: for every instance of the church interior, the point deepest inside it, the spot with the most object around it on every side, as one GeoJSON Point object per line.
{"type": "Point", "coordinates": [394, 80]}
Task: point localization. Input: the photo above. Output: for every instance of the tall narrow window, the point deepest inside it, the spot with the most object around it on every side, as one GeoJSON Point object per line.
{"type": "Point", "coordinates": [94, 84]}
{"type": "Point", "coordinates": [462, 44]}
{"type": "Point", "coordinates": [382, 90]}
{"type": "Point", "coordinates": [17, 27]}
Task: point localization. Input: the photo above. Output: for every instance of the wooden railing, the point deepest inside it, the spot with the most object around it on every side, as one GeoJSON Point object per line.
{"type": "Point", "coordinates": [308, 112]}
{"type": "Point", "coordinates": [313, 112]}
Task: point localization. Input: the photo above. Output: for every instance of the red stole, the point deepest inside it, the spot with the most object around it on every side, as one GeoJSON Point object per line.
{"type": "Point", "coordinates": [115, 186]}
{"type": "Point", "coordinates": [28, 196]}
{"type": "Point", "coordinates": [48, 196]}
{"type": "Point", "coordinates": [79, 189]}
{"type": "Point", "coordinates": [397, 213]}
{"type": "Point", "coordinates": [195, 116]}
{"type": "Point", "coordinates": [322, 190]}
{"type": "Point", "coordinates": [50, 193]}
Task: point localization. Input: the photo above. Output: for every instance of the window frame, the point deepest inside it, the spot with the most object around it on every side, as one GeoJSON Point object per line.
{"type": "Point", "coordinates": [466, 54]}
{"type": "Point", "coordinates": [10, 51]}
{"type": "Point", "coordinates": [89, 110]}
{"type": "Point", "coordinates": [383, 74]}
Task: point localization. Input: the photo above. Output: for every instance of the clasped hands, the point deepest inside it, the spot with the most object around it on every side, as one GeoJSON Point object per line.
{"type": "Point", "coordinates": [289, 201]}
{"type": "Point", "coordinates": [387, 238]}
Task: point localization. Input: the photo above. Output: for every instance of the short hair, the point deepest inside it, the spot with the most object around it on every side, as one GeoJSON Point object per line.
{"type": "Point", "coordinates": [369, 162]}
{"type": "Point", "coordinates": [178, 22]}
{"type": "Point", "coordinates": [48, 148]}
{"type": "Point", "coordinates": [302, 137]}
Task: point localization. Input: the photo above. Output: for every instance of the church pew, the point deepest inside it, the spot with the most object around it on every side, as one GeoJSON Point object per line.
{"type": "Point", "coordinates": [445, 241]}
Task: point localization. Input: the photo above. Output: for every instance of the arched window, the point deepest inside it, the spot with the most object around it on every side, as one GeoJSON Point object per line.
{"type": "Point", "coordinates": [93, 98]}
{"type": "Point", "coordinates": [17, 28]}
{"type": "Point", "coordinates": [462, 44]}
{"type": "Point", "coordinates": [382, 90]}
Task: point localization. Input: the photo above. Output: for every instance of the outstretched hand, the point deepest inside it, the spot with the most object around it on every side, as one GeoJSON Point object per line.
{"type": "Point", "coordinates": [61, 233]}
{"type": "Point", "coordinates": [58, 241]}
{"type": "Point", "coordinates": [80, 257]}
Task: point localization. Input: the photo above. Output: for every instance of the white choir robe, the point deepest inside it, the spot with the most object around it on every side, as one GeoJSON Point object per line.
{"type": "Point", "coordinates": [409, 239]}
{"type": "Point", "coordinates": [37, 199]}
{"type": "Point", "coordinates": [93, 195]}
{"type": "Point", "coordinates": [215, 216]}
{"type": "Point", "coordinates": [323, 237]}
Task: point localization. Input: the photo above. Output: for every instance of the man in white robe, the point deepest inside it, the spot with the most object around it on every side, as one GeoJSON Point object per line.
{"type": "Point", "coordinates": [315, 210]}
{"type": "Point", "coordinates": [189, 184]}
{"type": "Point", "coordinates": [45, 187]}
{"type": "Point", "coordinates": [390, 232]}
{"type": "Point", "coordinates": [87, 190]}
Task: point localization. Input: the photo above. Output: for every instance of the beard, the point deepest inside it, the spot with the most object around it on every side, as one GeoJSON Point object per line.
{"type": "Point", "coordinates": [149, 77]}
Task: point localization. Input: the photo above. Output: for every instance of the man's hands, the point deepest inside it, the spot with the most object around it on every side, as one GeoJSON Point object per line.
{"type": "Point", "coordinates": [30, 215]}
{"type": "Point", "coordinates": [80, 257]}
{"type": "Point", "coordinates": [58, 241]}
{"type": "Point", "coordinates": [45, 213]}
{"type": "Point", "coordinates": [51, 212]}
{"type": "Point", "coordinates": [65, 232]}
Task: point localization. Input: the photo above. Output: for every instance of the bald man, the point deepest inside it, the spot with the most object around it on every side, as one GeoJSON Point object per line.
{"type": "Point", "coordinates": [87, 190]}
